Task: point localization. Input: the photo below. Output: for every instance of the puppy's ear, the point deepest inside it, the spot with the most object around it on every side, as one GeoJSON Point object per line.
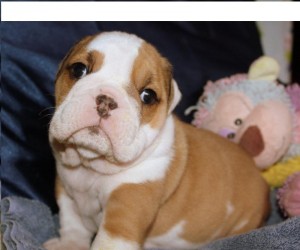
{"type": "Point", "coordinates": [175, 96]}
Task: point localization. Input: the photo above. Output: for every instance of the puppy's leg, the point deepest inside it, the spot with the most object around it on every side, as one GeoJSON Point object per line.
{"type": "Point", "coordinates": [73, 234]}
{"type": "Point", "coordinates": [129, 213]}
{"type": "Point", "coordinates": [107, 241]}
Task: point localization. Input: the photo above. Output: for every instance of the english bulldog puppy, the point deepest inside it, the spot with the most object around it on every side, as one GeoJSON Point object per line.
{"type": "Point", "coordinates": [130, 175]}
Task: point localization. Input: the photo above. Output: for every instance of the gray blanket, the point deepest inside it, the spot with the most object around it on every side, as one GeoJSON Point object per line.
{"type": "Point", "coordinates": [285, 236]}
{"type": "Point", "coordinates": [26, 224]}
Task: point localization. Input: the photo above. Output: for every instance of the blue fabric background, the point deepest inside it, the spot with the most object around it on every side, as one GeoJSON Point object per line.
{"type": "Point", "coordinates": [31, 52]}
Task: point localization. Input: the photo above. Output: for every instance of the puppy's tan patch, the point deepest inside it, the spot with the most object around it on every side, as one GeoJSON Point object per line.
{"type": "Point", "coordinates": [152, 71]}
{"type": "Point", "coordinates": [64, 80]}
{"type": "Point", "coordinates": [198, 184]}
{"type": "Point", "coordinates": [195, 184]}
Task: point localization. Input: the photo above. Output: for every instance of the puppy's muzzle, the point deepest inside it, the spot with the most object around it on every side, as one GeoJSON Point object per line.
{"type": "Point", "coordinates": [104, 105]}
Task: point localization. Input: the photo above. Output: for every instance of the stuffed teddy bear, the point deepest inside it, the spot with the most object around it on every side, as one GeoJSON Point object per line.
{"type": "Point", "coordinates": [252, 110]}
{"type": "Point", "coordinates": [259, 114]}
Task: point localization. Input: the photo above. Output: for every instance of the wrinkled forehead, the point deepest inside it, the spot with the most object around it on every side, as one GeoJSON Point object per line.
{"type": "Point", "coordinates": [119, 51]}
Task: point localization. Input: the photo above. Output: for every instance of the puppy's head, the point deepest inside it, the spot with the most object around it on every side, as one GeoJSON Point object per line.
{"type": "Point", "coordinates": [114, 92]}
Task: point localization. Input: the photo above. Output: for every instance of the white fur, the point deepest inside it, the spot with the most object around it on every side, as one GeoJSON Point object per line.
{"type": "Point", "coordinates": [176, 97]}
{"type": "Point", "coordinates": [80, 102]}
{"type": "Point", "coordinates": [120, 50]}
{"type": "Point", "coordinates": [104, 241]}
{"type": "Point", "coordinates": [229, 208]}
{"type": "Point", "coordinates": [72, 232]}
{"type": "Point", "coordinates": [240, 225]}
{"type": "Point", "coordinates": [171, 239]}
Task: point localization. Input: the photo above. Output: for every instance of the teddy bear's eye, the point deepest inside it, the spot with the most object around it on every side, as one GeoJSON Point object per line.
{"type": "Point", "coordinates": [204, 99]}
{"type": "Point", "coordinates": [148, 96]}
{"type": "Point", "coordinates": [78, 70]}
{"type": "Point", "coordinates": [238, 122]}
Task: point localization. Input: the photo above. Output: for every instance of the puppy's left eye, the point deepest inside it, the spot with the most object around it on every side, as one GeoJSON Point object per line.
{"type": "Point", "coordinates": [148, 96]}
{"type": "Point", "coordinates": [78, 70]}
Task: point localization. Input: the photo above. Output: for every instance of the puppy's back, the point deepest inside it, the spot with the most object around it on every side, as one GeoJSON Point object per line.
{"type": "Point", "coordinates": [221, 191]}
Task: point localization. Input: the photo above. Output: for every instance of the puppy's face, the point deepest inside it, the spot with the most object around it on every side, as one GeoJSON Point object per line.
{"type": "Point", "coordinates": [113, 93]}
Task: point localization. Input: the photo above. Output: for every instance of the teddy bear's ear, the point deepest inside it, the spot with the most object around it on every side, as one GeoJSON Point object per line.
{"type": "Point", "coordinates": [175, 95]}
{"type": "Point", "coordinates": [264, 68]}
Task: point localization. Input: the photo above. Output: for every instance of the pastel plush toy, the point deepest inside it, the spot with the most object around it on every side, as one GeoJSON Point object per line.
{"type": "Point", "coordinates": [264, 118]}
{"type": "Point", "coordinates": [252, 110]}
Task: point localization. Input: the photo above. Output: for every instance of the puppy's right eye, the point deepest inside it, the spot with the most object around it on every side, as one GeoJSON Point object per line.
{"type": "Point", "coordinates": [78, 70]}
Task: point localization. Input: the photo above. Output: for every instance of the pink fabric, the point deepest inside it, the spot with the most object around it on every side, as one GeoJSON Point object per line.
{"type": "Point", "coordinates": [294, 93]}
{"type": "Point", "coordinates": [289, 196]}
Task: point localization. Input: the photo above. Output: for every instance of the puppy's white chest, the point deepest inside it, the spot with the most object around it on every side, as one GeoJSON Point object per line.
{"type": "Point", "coordinates": [90, 209]}
{"type": "Point", "coordinates": [83, 185]}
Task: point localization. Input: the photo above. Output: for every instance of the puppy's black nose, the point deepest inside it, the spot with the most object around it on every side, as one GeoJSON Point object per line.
{"type": "Point", "coordinates": [104, 105]}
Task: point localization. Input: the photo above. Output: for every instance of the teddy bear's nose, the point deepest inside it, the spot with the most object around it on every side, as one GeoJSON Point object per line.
{"type": "Point", "coordinates": [104, 105]}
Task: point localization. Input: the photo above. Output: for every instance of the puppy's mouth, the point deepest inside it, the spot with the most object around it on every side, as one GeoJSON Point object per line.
{"type": "Point", "coordinates": [91, 142]}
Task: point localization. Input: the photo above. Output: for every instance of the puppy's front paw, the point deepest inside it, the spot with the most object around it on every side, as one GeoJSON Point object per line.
{"type": "Point", "coordinates": [65, 244]}
{"type": "Point", "coordinates": [105, 241]}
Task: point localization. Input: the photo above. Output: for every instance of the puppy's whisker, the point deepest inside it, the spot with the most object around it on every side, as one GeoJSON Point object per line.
{"type": "Point", "coordinates": [42, 114]}
{"type": "Point", "coordinates": [46, 109]}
